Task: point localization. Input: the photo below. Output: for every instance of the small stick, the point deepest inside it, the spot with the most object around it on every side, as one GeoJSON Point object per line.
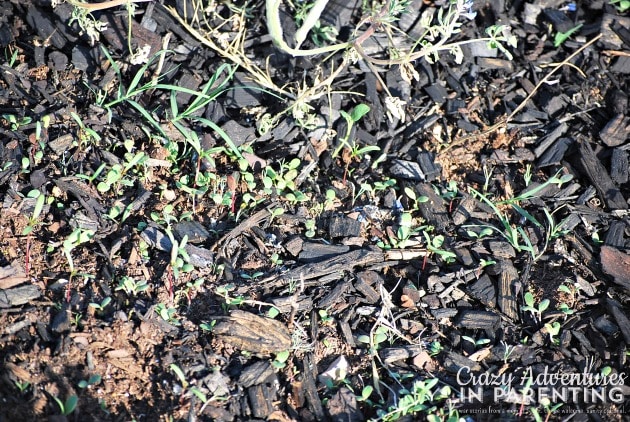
{"type": "Point", "coordinates": [504, 122]}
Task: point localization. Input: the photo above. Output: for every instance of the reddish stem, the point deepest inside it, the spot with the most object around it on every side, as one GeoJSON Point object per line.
{"type": "Point", "coordinates": [27, 258]}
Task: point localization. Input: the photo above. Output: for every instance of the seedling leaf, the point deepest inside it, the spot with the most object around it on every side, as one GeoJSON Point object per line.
{"type": "Point", "coordinates": [359, 111]}
{"type": "Point", "coordinates": [561, 37]}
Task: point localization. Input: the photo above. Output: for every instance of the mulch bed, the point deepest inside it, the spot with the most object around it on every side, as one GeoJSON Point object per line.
{"type": "Point", "coordinates": [339, 269]}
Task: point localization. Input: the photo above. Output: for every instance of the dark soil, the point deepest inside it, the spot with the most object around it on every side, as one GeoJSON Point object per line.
{"type": "Point", "coordinates": [170, 287]}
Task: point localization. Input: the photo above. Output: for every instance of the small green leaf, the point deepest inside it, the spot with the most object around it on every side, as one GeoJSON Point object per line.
{"type": "Point", "coordinates": [364, 339]}
{"type": "Point", "coordinates": [564, 288]}
{"type": "Point", "coordinates": [561, 37]}
{"type": "Point", "coordinates": [102, 187]}
{"type": "Point", "coordinates": [379, 338]}
{"type": "Point", "coordinates": [180, 374]}
{"type": "Point", "coordinates": [529, 299]}
{"type": "Point", "coordinates": [359, 111]}
{"type": "Point", "coordinates": [294, 164]}
{"type": "Point", "coordinates": [273, 312]}
{"type": "Point", "coordinates": [283, 356]}
{"type": "Point", "coordinates": [405, 219]}
{"type": "Point", "coordinates": [544, 304]}
{"type": "Point", "coordinates": [70, 405]}
{"type": "Point", "coordinates": [366, 392]}
{"type": "Point", "coordinates": [200, 395]}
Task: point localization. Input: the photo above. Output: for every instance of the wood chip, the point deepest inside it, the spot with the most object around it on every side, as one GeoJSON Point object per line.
{"type": "Point", "coordinates": [253, 333]}
{"type": "Point", "coordinates": [616, 131]}
{"type": "Point", "coordinates": [617, 265]}
{"type": "Point", "coordinates": [18, 295]}
{"type": "Point", "coordinates": [333, 266]}
{"type": "Point", "coordinates": [599, 177]}
{"type": "Point", "coordinates": [478, 320]}
{"type": "Point", "coordinates": [508, 280]}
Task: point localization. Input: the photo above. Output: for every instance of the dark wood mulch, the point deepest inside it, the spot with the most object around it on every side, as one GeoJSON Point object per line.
{"type": "Point", "coordinates": [318, 263]}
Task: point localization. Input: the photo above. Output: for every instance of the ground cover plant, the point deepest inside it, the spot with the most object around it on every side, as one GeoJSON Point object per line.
{"type": "Point", "coordinates": [296, 210]}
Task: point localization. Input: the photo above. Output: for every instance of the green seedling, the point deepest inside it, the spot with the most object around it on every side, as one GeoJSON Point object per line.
{"type": "Point", "coordinates": [76, 238]}
{"type": "Point", "coordinates": [68, 406]}
{"type": "Point", "coordinates": [420, 398]}
{"type": "Point", "coordinates": [199, 394]}
{"type": "Point", "coordinates": [22, 386]}
{"type": "Point", "coordinates": [376, 338]}
{"type": "Point", "coordinates": [186, 385]}
{"type": "Point", "coordinates": [310, 226]}
{"type": "Point", "coordinates": [565, 309]}
{"type": "Point", "coordinates": [26, 164]}
{"type": "Point", "coordinates": [372, 189]}
{"type": "Point", "coordinates": [224, 291]}
{"type": "Point", "coordinates": [95, 176]}
{"type": "Point", "coordinates": [405, 230]}
{"type": "Point", "coordinates": [33, 221]}
{"type": "Point", "coordinates": [102, 404]}
{"type": "Point", "coordinates": [411, 194]}
{"type": "Point", "coordinates": [86, 135]}
{"type": "Point", "coordinates": [507, 351]}
{"type": "Point", "coordinates": [548, 408]}
{"type": "Point", "coordinates": [486, 262]}
{"type": "Point", "coordinates": [132, 287]}
{"type": "Point", "coordinates": [180, 374]}
{"type": "Point", "coordinates": [76, 319]}
{"type": "Point", "coordinates": [366, 392]}
{"type": "Point", "coordinates": [115, 177]}
{"type": "Point", "coordinates": [476, 343]}
{"type": "Point", "coordinates": [93, 380]}
{"type": "Point", "coordinates": [118, 211]}
{"type": "Point", "coordinates": [283, 182]}
{"type": "Point", "coordinates": [16, 122]}
{"type": "Point", "coordinates": [553, 329]}
{"type": "Point", "coordinates": [561, 37]}
{"type": "Point", "coordinates": [167, 313]}
{"type": "Point", "coordinates": [527, 176]}
{"type": "Point", "coordinates": [185, 292]}
{"type": "Point", "coordinates": [208, 327]}
{"type": "Point", "coordinates": [216, 85]}
{"type": "Point", "coordinates": [281, 359]}
{"type": "Point", "coordinates": [275, 259]}
{"type": "Point", "coordinates": [435, 348]}
{"type": "Point", "coordinates": [180, 261]}
{"type": "Point", "coordinates": [14, 56]}
{"type": "Point", "coordinates": [622, 6]}
{"type": "Point", "coordinates": [324, 317]}
{"type": "Point", "coordinates": [252, 277]}
{"type": "Point", "coordinates": [351, 119]}
{"type": "Point", "coordinates": [167, 217]}
{"type": "Point", "coordinates": [516, 235]}
{"type": "Point", "coordinates": [273, 312]}
{"type": "Point", "coordinates": [434, 245]}
{"type": "Point", "coordinates": [535, 310]}
{"type": "Point", "coordinates": [571, 292]}
{"type": "Point", "coordinates": [100, 307]}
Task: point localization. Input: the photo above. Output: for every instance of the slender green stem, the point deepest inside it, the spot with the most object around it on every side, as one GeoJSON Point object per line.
{"type": "Point", "coordinates": [275, 30]}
